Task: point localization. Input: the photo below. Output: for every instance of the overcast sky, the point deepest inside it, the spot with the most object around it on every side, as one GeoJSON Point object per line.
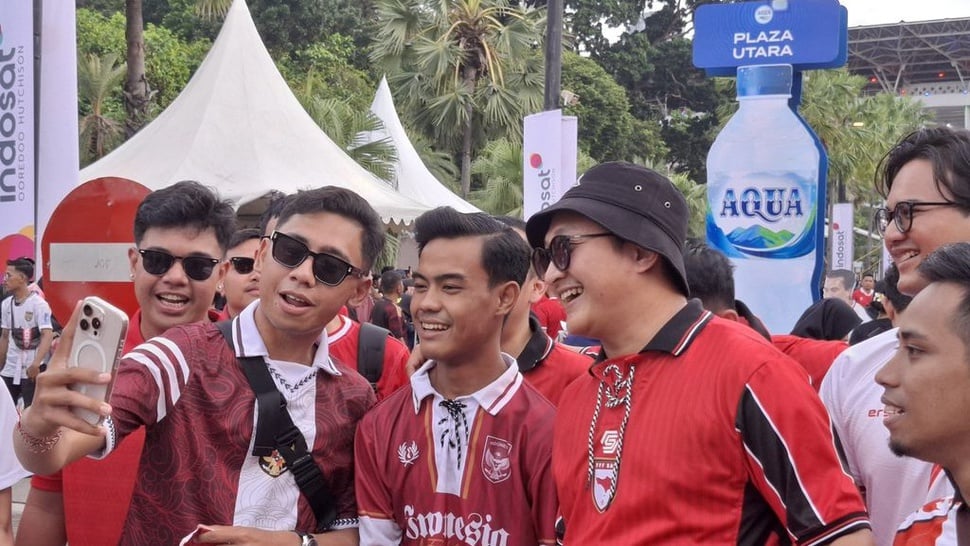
{"type": "Point", "coordinates": [874, 12]}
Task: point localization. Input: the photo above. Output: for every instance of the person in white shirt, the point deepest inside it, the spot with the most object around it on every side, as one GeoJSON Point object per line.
{"type": "Point", "coordinates": [25, 319]}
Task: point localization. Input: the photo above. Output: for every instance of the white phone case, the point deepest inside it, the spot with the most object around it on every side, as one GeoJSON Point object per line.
{"type": "Point", "coordinates": [98, 341]}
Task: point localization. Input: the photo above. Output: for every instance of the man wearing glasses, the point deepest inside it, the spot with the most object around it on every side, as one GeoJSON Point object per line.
{"type": "Point", "coordinates": [925, 179]}
{"type": "Point", "coordinates": [689, 429]}
{"type": "Point", "coordinates": [198, 478]}
{"type": "Point", "coordinates": [241, 284]}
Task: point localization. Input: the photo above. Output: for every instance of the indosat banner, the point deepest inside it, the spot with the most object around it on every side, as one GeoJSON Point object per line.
{"type": "Point", "coordinates": [843, 247]}
{"type": "Point", "coordinates": [17, 126]}
{"type": "Point", "coordinates": [549, 152]}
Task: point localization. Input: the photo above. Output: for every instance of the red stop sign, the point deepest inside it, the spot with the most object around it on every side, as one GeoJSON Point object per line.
{"type": "Point", "coordinates": [85, 246]}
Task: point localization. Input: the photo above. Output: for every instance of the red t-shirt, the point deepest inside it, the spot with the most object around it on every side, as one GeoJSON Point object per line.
{"type": "Point", "coordinates": [551, 315]}
{"type": "Point", "coordinates": [724, 440]}
{"type": "Point", "coordinates": [862, 298]}
{"type": "Point", "coordinates": [815, 355]}
{"type": "Point", "coordinates": [548, 366]}
{"type": "Point", "coordinates": [343, 343]}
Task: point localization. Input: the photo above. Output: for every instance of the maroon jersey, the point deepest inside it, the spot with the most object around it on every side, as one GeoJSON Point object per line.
{"type": "Point", "coordinates": [189, 391]}
{"type": "Point", "coordinates": [496, 488]}
{"type": "Point", "coordinates": [707, 436]}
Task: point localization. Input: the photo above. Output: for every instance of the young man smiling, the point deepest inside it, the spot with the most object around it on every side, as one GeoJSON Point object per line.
{"type": "Point", "coordinates": [189, 390]}
{"type": "Point", "coordinates": [463, 453]}
{"type": "Point", "coordinates": [690, 429]}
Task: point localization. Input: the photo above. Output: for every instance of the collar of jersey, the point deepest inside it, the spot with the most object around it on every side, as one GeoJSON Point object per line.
{"type": "Point", "coordinates": [248, 342]}
{"type": "Point", "coordinates": [537, 348]}
{"type": "Point", "coordinates": [681, 330]}
{"type": "Point", "coordinates": [492, 397]}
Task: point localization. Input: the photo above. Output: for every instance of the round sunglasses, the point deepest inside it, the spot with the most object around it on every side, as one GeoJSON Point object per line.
{"type": "Point", "coordinates": [559, 252]}
{"type": "Point", "coordinates": [327, 268]}
{"type": "Point", "coordinates": [158, 262]}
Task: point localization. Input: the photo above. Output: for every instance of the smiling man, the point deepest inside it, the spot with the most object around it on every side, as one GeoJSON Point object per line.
{"type": "Point", "coordinates": [926, 386]}
{"type": "Point", "coordinates": [188, 389]}
{"type": "Point", "coordinates": [463, 453]}
{"type": "Point", "coordinates": [689, 429]}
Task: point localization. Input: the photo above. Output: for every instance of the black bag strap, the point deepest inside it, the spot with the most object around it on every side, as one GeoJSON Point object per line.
{"type": "Point", "coordinates": [275, 430]}
{"type": "Point", "coordinates": [370, 352]}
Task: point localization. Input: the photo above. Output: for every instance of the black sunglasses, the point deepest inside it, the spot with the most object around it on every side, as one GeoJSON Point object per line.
{"type": "Point", "coordinates": [327, 268]}
{"type": "Point", "coordinates": [243, 266]}
{"type": "Point", "coordinates": [197, 268]}
{"type": "Point", "coordinates": [902, 214]}
{"type": "Point", "coordinates": [558, 253]}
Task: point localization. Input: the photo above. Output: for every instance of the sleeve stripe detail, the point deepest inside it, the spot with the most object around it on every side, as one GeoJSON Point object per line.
{"type": "Point", "coordinates": [179, 357]}
{"type": "Point", "coordinates": [765, 443]}
{"type": "Point", "coordinates": [856, 523]}
{"type": "Point", "coordinates": [157, 375]}
{"type": "Point", "coordinates": [375, 515]}
{"type": "Point", "coordinates": [161, 359]}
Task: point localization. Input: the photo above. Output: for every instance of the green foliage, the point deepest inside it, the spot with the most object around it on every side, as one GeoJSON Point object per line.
{"type": "Point", "coordinates": [465, 70]}
{"type": "Point", "coordinates": [169, 61]}
{"type": "Point", "coordinates": [101, 127]}
{"type": "Point", "coordinates": [326, 69]}
{"type": "Point", "coordinates": [607, 129]}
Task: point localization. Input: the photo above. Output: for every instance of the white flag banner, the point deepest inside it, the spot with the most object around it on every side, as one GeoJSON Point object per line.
{"type": "Point", "coordinates": [841, 239]}
{"type": "Point", "coordinates": [548, 159]}
{"type": "Point", "coordinates": [57, 148]}
{"type": "Point", "coordinates": [16, 126]}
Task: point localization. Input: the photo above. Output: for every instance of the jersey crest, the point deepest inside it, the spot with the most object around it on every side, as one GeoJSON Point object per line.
{"type": "Point", "coordinates": [273, 464]}
{"type": "Point", "coordinates": [497, 459]}
{"type": "Point", "coordinates": [408, 453]}
{"type": "Point", "coordinates": [604, 483]}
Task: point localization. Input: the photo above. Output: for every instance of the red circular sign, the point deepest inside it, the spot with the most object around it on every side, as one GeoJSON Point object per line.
{"type": "Point", "coordinates": [85, 245]}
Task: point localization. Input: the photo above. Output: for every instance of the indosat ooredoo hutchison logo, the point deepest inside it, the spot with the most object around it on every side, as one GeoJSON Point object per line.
{"type": "Point", "coordinates": [541, 177]}
{"type": "Point", "coordinates": [766, 216]}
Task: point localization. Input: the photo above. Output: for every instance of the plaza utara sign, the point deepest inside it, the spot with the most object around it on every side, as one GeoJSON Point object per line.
{"type": "Point", "coordinates": [807, 34]}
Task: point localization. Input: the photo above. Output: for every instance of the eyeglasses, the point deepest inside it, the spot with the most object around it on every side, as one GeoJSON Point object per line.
{"type": "Point", "coordinates": [902, 214]}
{"type": "Point", "coordinates": [558, 253]}
{"type": "Point", "coordinates": [243, 266]}
{"type": "Point", "coordinates": [197, 268]}
{"type": "Point", "coordinates": [327, 268]}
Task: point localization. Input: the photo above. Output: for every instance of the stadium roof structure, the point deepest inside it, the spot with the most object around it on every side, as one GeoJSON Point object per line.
{"type": "Point", "coordinates": [924, 57]}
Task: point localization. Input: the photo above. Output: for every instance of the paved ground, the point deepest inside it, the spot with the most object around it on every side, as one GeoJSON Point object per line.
{"type": "Point", "coordinates": [19, 496]}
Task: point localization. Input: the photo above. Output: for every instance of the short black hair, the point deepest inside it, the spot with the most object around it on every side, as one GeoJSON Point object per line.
{"type": "Point", "coordinates": [274, 206]}
{"type": "Point", "coordinates": [240, 236]}
{"type": "Point", "coordinates": [390, 281]}
{"type": "Point", "coordinates": [505, 254]}
{"type": "Point", "coordinates": [343, 202]}
{"type": "Point", "coordinates": [947, 149]}
{"type": "Point", "coordinates": [710, 276]}
{"type": "Point", "coordinates": [24, 266]}
{"type": "Point", "coordinates": [950, 263]}
{"type": "Point", "coordinates": [512, 222]}
{"type": "Point", "coordinates": [847, 277]}
{"type": "Point", "coordinates": [186, 204]}
{"type": "Point", "coordinates": [890, 289]}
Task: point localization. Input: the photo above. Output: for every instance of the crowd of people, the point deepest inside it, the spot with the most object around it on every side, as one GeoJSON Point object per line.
{"type": "Point", "coordinates": [325, 404]}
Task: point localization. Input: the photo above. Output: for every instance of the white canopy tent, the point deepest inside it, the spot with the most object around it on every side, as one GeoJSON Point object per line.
{"type": "Point", "coordinates": [238, 128]}
{"type": "Point", "coordinates": [413, 177]}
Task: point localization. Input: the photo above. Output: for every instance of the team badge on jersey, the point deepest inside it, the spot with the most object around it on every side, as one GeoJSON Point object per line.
{"type": "Point", "coordinates": [273, 464]}
{"type": "Point", "coordinates": [497, 459]}
{"type": "Point", "coordinates": [28, 315]}
{"type": "Point", "coordinates": [408, 453]}
{"type": "Point", "coordinates": [604, 483]}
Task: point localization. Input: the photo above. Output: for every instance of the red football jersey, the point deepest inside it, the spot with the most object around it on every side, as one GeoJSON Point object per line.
{"type": "Point", "coordinates": [547, 365]}
{"type": "Point", "coordinates": [707, 436]}
{"type": "Point", "coordinates": [503, 494]}
{"type": "Point", "coordinates": [344, 342]}
{"type": "Point", "coordinates": [551, 315]}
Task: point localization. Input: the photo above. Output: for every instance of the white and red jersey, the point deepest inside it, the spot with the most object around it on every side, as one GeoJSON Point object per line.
{"type": "Point", "coordinates": [344, 345]}
{"type": "Point", "coordinates": [934, 524]}
{"type": "Point", "coordinates": [189, 391]}
{"type": "Point", "coordinates": [708, 436]}
{"type": "Point", "coordinates": [478, 474]}
{"type": "Point", "coordinates": [894, 486]}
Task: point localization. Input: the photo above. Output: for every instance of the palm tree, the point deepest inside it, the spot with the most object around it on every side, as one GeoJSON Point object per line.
{"type": "Point", "coordinates": [463, 70]}
{"type": "Point", "coordinates": [137, 93]}
{"type": "Point", "coordinates": [97, 77]}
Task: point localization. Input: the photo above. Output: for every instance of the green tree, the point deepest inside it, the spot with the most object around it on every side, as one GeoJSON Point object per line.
{"type": "Point", "coordinates": [100, 128]}
{"type": "Point", "coordinates": [344, 125]}
{"type": "Point", "coordinates": [466, 69]}
{"type": "Point", "coordinates": [607, 129]}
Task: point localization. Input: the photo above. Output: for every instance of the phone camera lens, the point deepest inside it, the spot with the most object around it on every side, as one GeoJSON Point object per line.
{"type": "Point", "coordinates": [88, 311]}
{"type": "Point", "coordinates": [84, 324]}
{"type": "Point", "coordinates": [96, 323]}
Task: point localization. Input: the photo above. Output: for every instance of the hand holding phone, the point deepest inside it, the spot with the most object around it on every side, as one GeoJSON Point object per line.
{"type": "Point", "coordinates": [97, 345]}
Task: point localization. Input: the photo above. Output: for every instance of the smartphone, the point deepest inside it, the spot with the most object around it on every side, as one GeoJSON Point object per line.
{"type": "Point", "coordinates": [98, 341]}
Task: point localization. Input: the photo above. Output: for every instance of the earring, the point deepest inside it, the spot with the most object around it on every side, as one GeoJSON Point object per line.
{"type": "Point", "coordinates": [219, 287]}
{"type": "Point", "coordinates": [131, 276]}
